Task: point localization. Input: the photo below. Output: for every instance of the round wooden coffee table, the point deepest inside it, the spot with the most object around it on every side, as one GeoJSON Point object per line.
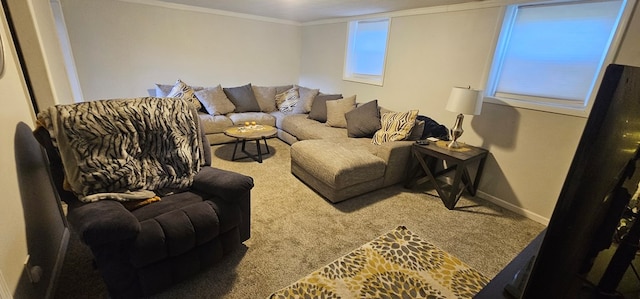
{"type": "Point", "coordinates": [257, 133]}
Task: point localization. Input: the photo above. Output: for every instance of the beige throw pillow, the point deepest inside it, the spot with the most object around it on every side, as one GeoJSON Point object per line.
{"type": "Point", "coordinates": [337, 109]}
{"type": "Point", "coordinates": [266, 97]}
{"type": "Point", "coordinates": [215, 101]}
{"type": "Point", "coordinates": [395, 126]}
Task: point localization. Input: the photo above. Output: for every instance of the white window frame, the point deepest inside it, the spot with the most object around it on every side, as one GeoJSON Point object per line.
{"type": "Point", "coordinates": [349, 74]}
{"type": "Point", "coordinates": [547, 104]}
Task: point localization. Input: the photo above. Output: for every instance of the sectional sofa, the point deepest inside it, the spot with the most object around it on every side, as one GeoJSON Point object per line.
{"type": "Point", "coordinates": [338, 148]}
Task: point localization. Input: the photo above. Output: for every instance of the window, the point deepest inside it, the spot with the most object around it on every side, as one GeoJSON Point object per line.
{"type": "Point", "coordinates": [550, 55]}
{"type": "Point", "coordinates": [366, 51]}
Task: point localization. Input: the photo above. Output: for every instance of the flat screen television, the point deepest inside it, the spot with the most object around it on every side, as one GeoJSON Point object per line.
{"type": "Point", "coordinates": [595, 192]}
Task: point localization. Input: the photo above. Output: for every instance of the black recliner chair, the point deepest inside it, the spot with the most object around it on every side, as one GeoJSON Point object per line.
{"type": "Point", "coordinates": [143, 251]}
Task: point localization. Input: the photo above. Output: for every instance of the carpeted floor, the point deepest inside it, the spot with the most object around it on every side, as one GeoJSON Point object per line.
{"type": "Point", "coordinates": [295, 232]}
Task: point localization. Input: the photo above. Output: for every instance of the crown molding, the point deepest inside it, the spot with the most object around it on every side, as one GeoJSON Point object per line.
{"type": "Point", "coordinates": [479, 4]}
{"type": "Point", "coordinates": [169, 5]}
{"type": "Point", "coordinates": [418, 11]}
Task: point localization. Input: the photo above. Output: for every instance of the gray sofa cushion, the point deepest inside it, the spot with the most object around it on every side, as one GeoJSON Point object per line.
{"type": "Point", "coordinates": [303, 128]}
{"type": "Point", "coordinates": [162, 90]}
{"type": "Point", "coordinates": [266, 97]}
{"type": "Point", "coordinates": [215, 101]}
{"type": "Point", "coordinates": [337, 162]}
{"type": "Point", "coordinates": [243, 98]}
{"type": "Point", "coordinates": [260, 118]}
{"type": "Point", "coordinates": [307, 96]}
{"type": "Point", "coordinates": [337, 109]}
{"type": "Point", "coordinates": [319, 106]}
{"type": "Point", "coordinates": [364, 120]}
{"type": "Point", "coordinates": [214, 123]}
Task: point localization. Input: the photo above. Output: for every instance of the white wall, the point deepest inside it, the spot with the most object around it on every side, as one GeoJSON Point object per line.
{"type": "Point", "coordinates": [37, 35]}
{"type": "Point", "coordinates": [121, 49]}
{"type": "Point", "coordinates": [16, 108]}
{"type": "Point", "coordinates": [530, 151]}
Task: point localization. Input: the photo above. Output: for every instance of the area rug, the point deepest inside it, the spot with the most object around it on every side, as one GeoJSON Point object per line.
{"type": "Point", "coordinates": [397, 264]}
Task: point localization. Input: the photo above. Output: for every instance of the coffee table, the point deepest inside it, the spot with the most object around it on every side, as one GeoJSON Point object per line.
{"type": "Point", "coordinates": [244, 133]}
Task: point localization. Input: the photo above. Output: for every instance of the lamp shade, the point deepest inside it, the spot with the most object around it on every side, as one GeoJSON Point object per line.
{"type": "Point", "coordinates": [465, 100]}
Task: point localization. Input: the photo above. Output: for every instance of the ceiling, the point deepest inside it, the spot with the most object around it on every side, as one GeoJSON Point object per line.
{"type": "Point", "coordinates": [313, 10]}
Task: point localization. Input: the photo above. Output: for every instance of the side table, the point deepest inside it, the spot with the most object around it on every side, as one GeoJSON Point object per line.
{"type": "Point", "coordinates": [457, 160]}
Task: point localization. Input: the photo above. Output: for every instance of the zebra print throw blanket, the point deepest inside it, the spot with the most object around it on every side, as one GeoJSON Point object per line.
{"type": "Point", "coordinates": [125, 149]}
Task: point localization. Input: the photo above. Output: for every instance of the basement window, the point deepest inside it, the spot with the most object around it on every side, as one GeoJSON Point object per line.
{"type": "Point", "coordinates": [366, 51]}
{"type": "Point", "coordinates": [550, 56]}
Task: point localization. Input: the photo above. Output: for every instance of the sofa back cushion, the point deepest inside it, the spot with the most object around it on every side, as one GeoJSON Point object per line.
{"type": "Point", "coordinates": [243, 98]}
{"type": "Point", "coordinates": [364, 120]}
{"type": "Point", "coordinates": [215, 101]}
{"type": "Point", "coordinates": [337, 109]}
{"type": "Point", "coordinates": [319, 106]}
{"type": "Point", "coordinates": [307, 96]}
{"type": "Point", "coordinates": [266, 97]}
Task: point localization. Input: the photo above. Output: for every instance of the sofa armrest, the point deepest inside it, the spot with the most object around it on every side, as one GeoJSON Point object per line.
{"type": "Point", "coordinates": [397, 154]}
{"type": "Point", "coordinates": [225, 184]}
{"type": "Point", "coordinates": [103, 222]}
{"type": "Point", "coordinates": [231, 187]}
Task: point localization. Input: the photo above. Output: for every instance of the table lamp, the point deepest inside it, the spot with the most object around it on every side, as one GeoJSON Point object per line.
{"type": "Point", "coordinates": [463, 100]}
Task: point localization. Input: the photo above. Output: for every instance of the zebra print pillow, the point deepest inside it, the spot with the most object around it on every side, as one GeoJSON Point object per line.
{"type": "Point", "coordinates": [287, 100]}
{"type": "Point", "coordinates": [395, 126]}
{"type": "Point", "coordinates": [182, 90]}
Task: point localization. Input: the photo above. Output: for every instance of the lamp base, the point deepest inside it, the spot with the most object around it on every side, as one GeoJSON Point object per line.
{"type": "Point", "coordinates": [456, 132]}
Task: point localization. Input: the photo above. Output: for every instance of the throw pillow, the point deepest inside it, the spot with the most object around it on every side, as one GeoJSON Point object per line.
{"type": "Point", "coordinates": [243, 98]}
{"type": "Point", "coordinates": [319, 106]}
{"type": "Point", "coordinates": [286, 100]}
{"type": "Point", "coordinates": [395, 126]}
{"type": "Point", "coordinates": [184, 91]}
{"type": "Point", "coordinates": [266, 97]}
{"type": "Point", "coordinates": [162, 90]}
{"type": "Point", "coordinates": [416, 132]}
{"type": "Point", "coordinates": [215, 101]}
{"type": "Point", "coordinates": [337, 109]}
{"type": "Point", "coordinates": [364, 120]}
{"type": "Point", "coordinates": [306, 100]}
{"type": "Point", "coordinates": [283, 88]}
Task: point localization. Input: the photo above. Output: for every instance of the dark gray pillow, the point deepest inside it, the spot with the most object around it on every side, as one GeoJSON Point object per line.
{"type": "Point", "coordinates": [319, 106]}
{"type": "Point", "coordinates": [364, 120]}
{"type": "Point", "coordinates": [243, 98]}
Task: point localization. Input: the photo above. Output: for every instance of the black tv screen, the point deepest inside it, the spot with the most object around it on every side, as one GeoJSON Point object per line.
{"type": "Point", "coordinates": [591, 201]}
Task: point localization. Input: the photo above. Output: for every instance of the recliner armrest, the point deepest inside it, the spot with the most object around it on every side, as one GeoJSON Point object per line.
{"type": "Point", "coordinates": [103, 222]}
{"type": "Point", "coordinates": [225, 184]}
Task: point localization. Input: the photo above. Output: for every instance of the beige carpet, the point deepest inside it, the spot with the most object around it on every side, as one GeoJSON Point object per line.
{"type": "Point", "coordinates": [295, 232]}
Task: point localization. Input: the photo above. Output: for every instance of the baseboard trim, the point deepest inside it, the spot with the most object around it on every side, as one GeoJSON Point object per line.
{"type": "Point", "coordinates": [511, 207]}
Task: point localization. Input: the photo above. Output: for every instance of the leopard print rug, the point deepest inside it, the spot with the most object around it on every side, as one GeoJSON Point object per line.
{"type": "Point", "coordinates": [395, 265]}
